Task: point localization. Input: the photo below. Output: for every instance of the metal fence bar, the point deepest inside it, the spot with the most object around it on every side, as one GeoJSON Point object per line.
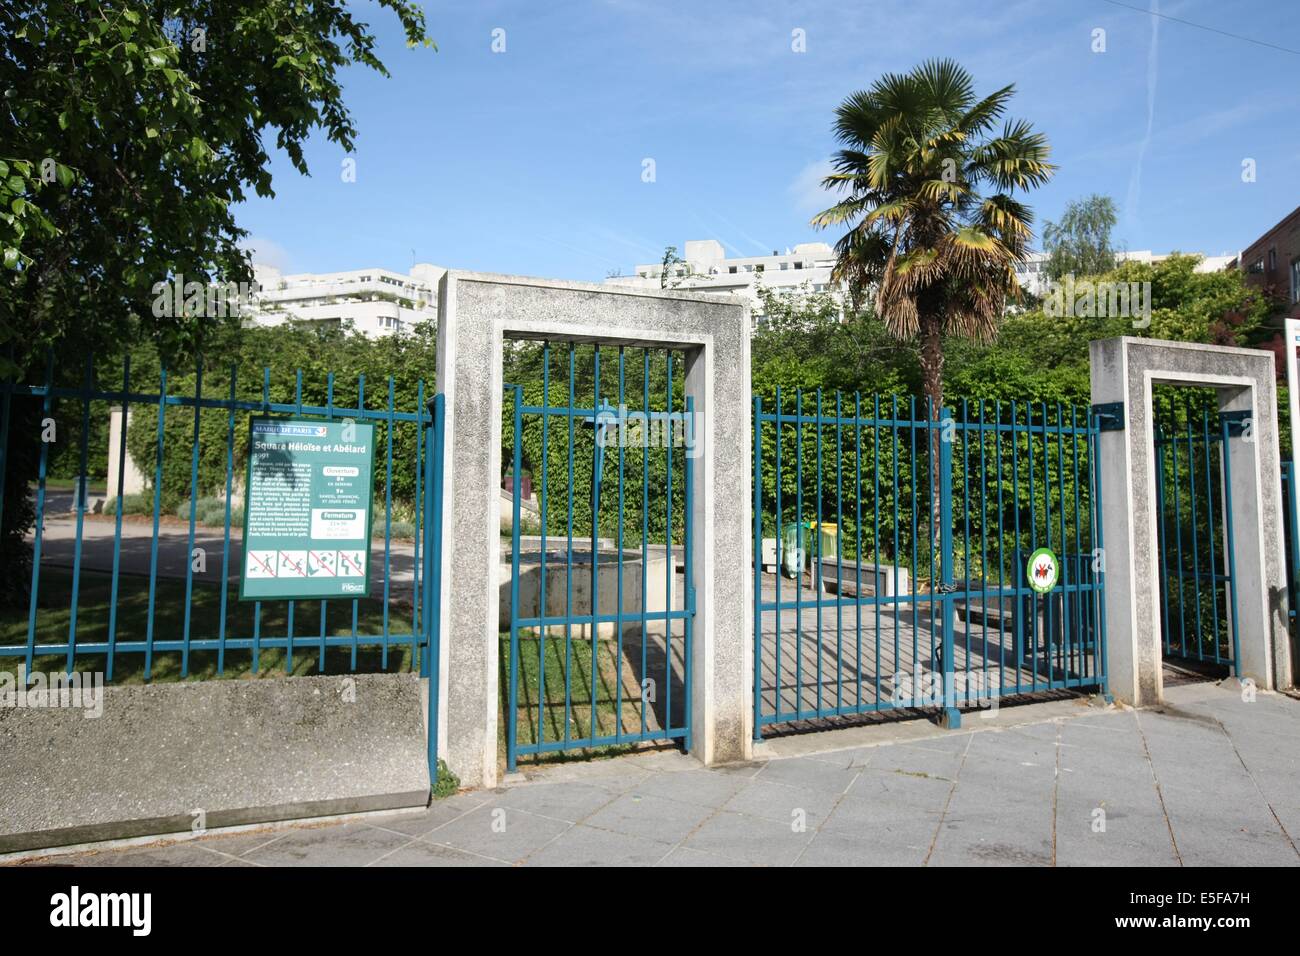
{"type": "Point", "coordinates": [81, 513]}
{"type": "Point", "coordinates": [618, 626]}
{"type": "Point", "coordinates": [597, 452]}
{"type": "Point", "coordinates": [758, 565]}
{"type": "Point", "coordinates": [688, 578]}
{"type": "Point", "coordinates": [1292, 538]}
{"type": "Point", "coordinates": [1232, 556]}
{"type": "Point", "coordinates": [225, 550]}
{"type": "Point", "coordinates": [194, 503]}
{"type": "Point", "coordinates": [512, 720]}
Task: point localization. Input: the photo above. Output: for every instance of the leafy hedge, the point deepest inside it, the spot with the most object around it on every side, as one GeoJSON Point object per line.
{"type": "Point", "coordinates": [284, 350]}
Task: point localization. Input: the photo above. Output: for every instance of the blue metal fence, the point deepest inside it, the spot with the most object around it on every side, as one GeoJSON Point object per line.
{"type": "Point", "coordinates": [1290, 517]}
{"type": "Point", "coordinates": [131, 630]}
{"type": "Point", "coordinates": [606, 660]}
{"type": "Point", "coordinates": [890, 555]}
{"type": "Point", "coordinates": [1197, 559]}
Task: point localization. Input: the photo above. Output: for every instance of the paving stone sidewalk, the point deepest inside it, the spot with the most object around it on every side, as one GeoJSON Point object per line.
{"type": "Point", "coordinates": [1207, 780]}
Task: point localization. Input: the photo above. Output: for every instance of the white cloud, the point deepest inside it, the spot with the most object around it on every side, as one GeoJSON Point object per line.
{"type": "Point", "coordinates": [267, 252]}
{"type": "Point", "coordinates": [806, 190]}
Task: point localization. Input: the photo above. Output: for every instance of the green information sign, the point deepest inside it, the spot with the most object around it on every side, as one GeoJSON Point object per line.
{"type": "Point", "coordinates": [307, 510]}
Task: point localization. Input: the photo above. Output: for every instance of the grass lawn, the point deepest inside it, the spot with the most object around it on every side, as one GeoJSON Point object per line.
{"type": "Point", "coordinates": [53, 614]}
{"type": "Point", "coordinates": [551, 655]}
{"type": "Point", "coordinates": [93, 486]}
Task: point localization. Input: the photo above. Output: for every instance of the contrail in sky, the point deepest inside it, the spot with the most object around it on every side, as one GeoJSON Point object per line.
{"type": "Point", "coordinates": [1153, 57]}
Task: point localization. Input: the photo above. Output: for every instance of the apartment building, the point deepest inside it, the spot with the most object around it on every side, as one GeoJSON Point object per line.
{"type": "Point", "coordinates": [374, 301]}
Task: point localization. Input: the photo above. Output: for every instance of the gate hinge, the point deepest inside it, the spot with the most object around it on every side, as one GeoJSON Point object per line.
{"type": "Point", "coordinates": [1110, 416]}
{"type": "Point", "coordinates": [1236, 422]}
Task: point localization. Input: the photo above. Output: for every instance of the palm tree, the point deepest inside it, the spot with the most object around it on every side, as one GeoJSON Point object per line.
{"type": "Point", "coordinates": [934, 228]}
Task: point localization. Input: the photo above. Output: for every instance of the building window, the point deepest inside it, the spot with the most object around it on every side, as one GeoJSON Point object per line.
{"type": "Point", "coordinates": [1295, 280]}
{"type": "Point", "coordinates": [1272, 259]}
{"type": "Point", "coordinates": [798, 265]}
{"type": "Point", "coordinates": [731, 269]}
{"type": "Point", "coordinates": [1257, 266]}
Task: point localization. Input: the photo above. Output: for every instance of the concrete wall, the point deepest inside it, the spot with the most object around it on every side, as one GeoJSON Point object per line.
{"type": "Point", "coordinates": [478, 312]}
{"type": "Point", "coordinates": [238, 751]}
{"type": "Point", "coordinates": [1124, 370]}
{"type": "Point", "coordinates": [132, 479]}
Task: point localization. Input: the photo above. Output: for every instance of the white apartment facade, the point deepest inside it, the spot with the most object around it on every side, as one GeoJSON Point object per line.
{"type": "Point", "coordinates": [375, 301]}
{"type": "Point", "coordinates": [1032, 272]}
{"type": "Point", "coordinates": [705, 266]}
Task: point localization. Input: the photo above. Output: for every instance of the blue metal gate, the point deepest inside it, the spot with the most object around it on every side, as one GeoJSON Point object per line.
{"type": "Point", "coordinates": [891, 548]}
{"type": "Point", "coordinates": [1197, 560]}
{"type": "Point", "coordinates": [601, 593]}
{"type": "Point", "coordinates": [431, 605]}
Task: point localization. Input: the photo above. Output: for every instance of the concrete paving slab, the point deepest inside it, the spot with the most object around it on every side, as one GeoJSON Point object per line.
{"type": "Point", "coordinates": [878, 846]}
{"type": "Point", "coordinates": [650, 816]}
{"type": "Point", "coordinates": [810, 773]}
{"type": "Point", "coordinates": [907, 758]}
{"type": "Point", "coordinates": [423, 853]}
{"type": "Point", "coordinates": [882, 817]}
{"type": "Point", "coordinates": [751, 839]}
{"type": "Point", "coordinates": [685, 856]}
{"type": "Point", "coordinates": [917, 789]}
{"type": "Point", "coordinates": [568, 801]}
{"type": "Point", "coordinates": [353, 844]}
{"type": "Point", "coordinates": [783, 803]}
{"type": "Point", "coordinates": [498, 833]}
{"type": "Point", "coordinates": [705, 788]}
{"type": "Point", "coordinates": [439, 812]}
{"type": "Point", "coordinates": [180, 854]}
{"type": "Point", "coordinates": [586, 846]}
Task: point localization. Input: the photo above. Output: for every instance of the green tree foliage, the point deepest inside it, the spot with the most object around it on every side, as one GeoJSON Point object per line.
{"type": "Point", "coordinates": [1079, 243]}
{"type": "Point", "coordinates": [157, 119]}
{"type": "Point", "coordinates": [129, 131]}
{"type": "Point", "coordinates": [1045, 357]}
{"type": "Point", "coordinates": [354, 359]}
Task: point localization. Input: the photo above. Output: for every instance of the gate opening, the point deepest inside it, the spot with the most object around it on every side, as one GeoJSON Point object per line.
{"type": "Point", "coordinates": [596, 594]}
{"type": "Point", "coordinates": [1195, 554]}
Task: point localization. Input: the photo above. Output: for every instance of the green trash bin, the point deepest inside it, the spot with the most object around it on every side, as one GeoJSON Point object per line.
{"type": "Point", "coordinates": [793, 558]}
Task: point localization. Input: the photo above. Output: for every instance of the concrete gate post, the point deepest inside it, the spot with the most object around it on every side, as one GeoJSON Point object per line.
{"type": "Point", "coordinates": [1123, 373]}
{"type": "Point", "coordinates": [477, 313]}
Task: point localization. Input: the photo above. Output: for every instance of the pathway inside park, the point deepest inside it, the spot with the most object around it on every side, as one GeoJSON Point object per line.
{"type": "Point", "coordinates": [1207, 780]}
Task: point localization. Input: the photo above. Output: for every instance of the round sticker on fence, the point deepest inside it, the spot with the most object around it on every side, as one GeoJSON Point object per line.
{"type": "Point", "coordinates": [1043, 570]}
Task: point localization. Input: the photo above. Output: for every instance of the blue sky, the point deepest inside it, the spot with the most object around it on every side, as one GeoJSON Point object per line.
{"type": "Point", "coordinates": [529, 161]}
